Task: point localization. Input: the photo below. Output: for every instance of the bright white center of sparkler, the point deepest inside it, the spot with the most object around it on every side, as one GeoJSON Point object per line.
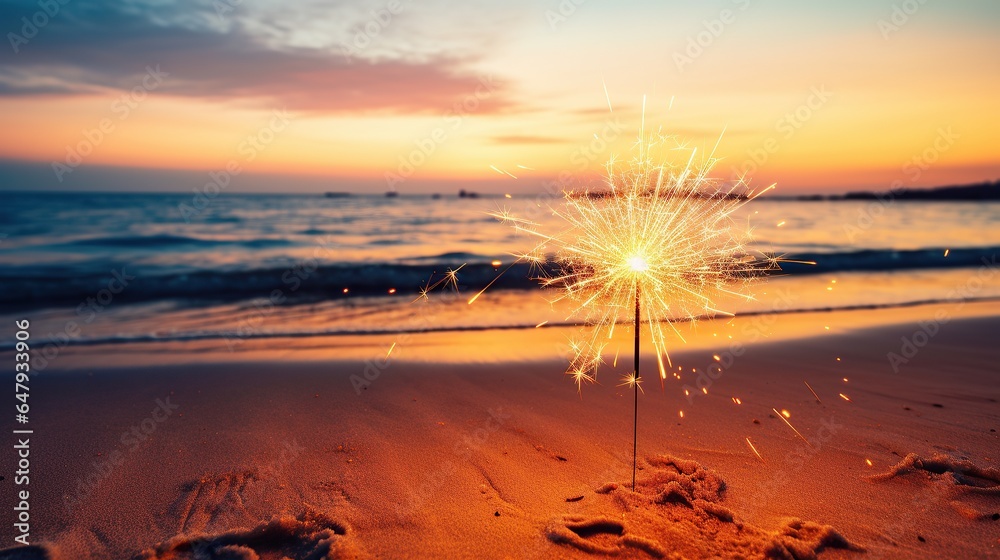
{"type": "Point", "coordinates": [638, 264]}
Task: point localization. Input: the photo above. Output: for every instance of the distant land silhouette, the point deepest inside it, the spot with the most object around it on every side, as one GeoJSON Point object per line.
{"type": "Point", "coordinates": [976, 192]}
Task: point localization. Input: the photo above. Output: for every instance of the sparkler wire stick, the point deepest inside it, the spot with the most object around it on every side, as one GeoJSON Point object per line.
{"type": "Point", "coordinates": [635, 388]}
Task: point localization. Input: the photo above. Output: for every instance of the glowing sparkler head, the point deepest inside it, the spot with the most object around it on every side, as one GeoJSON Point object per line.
{"type": "Point", "coordinates": [638, 264]}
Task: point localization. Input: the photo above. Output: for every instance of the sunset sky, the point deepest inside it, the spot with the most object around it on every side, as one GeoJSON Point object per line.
{"type": "Point", "coordinates": [428, 95]}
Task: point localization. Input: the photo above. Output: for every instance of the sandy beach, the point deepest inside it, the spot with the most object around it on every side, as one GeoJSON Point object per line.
{"type": "Point", "coordinates": [239, 456]}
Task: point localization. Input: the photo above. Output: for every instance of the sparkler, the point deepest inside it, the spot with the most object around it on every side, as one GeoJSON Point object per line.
{"type": "Point", "coordinates": [662, 238]}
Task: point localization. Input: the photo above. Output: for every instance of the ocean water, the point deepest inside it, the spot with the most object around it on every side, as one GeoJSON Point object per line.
{"type": "Point", "coordinates": [139, 267]}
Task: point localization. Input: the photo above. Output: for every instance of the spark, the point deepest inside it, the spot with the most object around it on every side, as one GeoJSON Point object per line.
{"type": "Point", "coordinates": [755, 452]}
{"type": "Point", "coordinates": [661, 229]}
{"type": "Point", "coordinates": [845, 397]}
{"type": "Point", "coordinates": [785, 413]}
{"type": "Point", "coordinates": [869, 462]}
{"type": "Point", "coordinates": [450, 278]}
{"type": "Point", "coordinates": [631, 380]}
{"type": "Point", "coordinates": [386, 359]}
{"type": "Point", "coordinates": [540, 325]}
{"type": "Point", "coordinates": [736, 400]}
{"type": "Point", "coordinates": [680, 413]}
{"type": "Point", "coordinates": [496, 263]}
{"type": "Point", "coordinates": [507, 195]}
{"type": "Point", "coordinates": [811, 263]}
{"type": "Point", "coordinates": [579, 376]}
{"type": "Point", "coordinates": [525, 167]}
{"type": "Point", "coordinates": [346, 290]}
{"type": "Point", "coordinates": [946, 251]}
{"type": "Point", "coordinates": [502, 172]}
{"type": "Point", "coordinates": [813, 392]}
{"type": "Point", "coordinates": [481, 292]}
{"type": "Point", "coordinates": [392, 291]}
{"type": "Point", "coordinates": [781, 223]}
{"type": "Point", "coordinates": [505, 217]}
{"type": "Point", "coordinates": [615, 363]}
{"type": "Point", "coordinates": [785, 420]}
{"type": "Point", "coordinates": [608, 97]}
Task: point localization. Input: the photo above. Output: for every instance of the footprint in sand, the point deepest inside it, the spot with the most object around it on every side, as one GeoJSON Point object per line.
{"type": "Point", "coordinates": [676, 511]}
{"type": "Point", "coordinates": [960, 482]}
{"type": "Point", "coordinates": [214, 500]}
{"type": "Point", "coordinates": [600, 535]}
{"type": "Point", "coordinates": [963, 475]}
{"type": "Point", "coordinates": [206, 514]}
{"type": "Point", "coordinates": [210, 508]}
{"type": "Point", "coordinates": [310, 536]}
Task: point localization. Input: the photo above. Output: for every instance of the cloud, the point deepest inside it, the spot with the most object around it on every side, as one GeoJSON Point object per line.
{"type": "Point", "coordinates": [94, 47]}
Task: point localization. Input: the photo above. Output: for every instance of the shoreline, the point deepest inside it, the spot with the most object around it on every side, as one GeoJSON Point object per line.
{"type": "Point", "coordinates": [494, 345]}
